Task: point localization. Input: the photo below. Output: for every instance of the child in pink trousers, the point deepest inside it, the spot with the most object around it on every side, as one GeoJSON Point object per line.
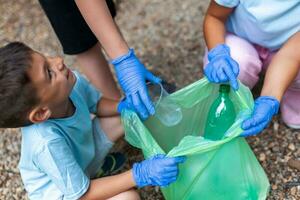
{"type": "Point", "coordinates": [246, 38]}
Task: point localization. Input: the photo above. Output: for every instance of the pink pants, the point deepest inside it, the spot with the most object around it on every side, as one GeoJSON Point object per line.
{"type": "Point", "coordinates": [253, 60]}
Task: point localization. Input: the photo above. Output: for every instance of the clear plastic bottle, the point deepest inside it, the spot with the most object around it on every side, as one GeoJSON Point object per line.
{"type": "Point", "coordinates": [166, 110]}
{"type": "Point", "coordinates": [221, 115]}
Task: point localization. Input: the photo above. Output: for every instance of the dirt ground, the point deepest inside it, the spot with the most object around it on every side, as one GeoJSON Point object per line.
{"type": "Point", "coordinates": [167, 36]}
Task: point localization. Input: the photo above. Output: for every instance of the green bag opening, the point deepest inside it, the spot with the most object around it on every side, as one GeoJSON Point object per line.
{"type": "Point", "coordinates": [225, 169]}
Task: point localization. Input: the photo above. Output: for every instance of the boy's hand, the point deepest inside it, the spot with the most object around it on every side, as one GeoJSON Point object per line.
{"type": "Point", "coordinates": [158, 170]}
{"type": "Point", "coordinates": [132, 76]}
{"type": "Point", "coordinates": [265, 108]}
{"type": "Point", "coordinates": [124, 104]}
{"type": "Point", "coordinates": [221, 67]}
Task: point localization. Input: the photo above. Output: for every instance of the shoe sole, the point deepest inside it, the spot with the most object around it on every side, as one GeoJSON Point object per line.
{"type": "Point", "coordinates": [293, 126]}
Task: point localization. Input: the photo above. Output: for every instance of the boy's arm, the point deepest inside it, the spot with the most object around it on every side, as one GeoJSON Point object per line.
{"type": "Point", "coordinates": [107, 107]}
{"type": "Point", "coordinates": [158, 170]}
{"type": "Point", "coordinates": [214, 24]}
{"type": "Point", "coordinates": [283, 69]}
{"type": "Point", "coordinates": [104, 188]}
{"type": "Point", "coordinates": [96, 12]}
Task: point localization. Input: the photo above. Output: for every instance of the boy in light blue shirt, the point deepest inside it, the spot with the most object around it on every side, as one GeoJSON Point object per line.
{"type": "Point", "coordinates": [62, 147]}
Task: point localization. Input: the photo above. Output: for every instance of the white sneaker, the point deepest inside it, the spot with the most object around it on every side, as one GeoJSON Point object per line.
{"type": "Point", "coordinates": [293, 126]}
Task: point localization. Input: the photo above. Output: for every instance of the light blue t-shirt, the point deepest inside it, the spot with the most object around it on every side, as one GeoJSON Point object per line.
{"type": "Point", "coordinates": [55, 154]}
{"type": "Point", "coordinates": [268, 23]}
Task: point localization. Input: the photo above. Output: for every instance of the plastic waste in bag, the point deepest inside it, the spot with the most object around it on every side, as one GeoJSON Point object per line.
{"type": "Point", "coordinates": [166, 110]}
{"type": "Point", "coordinates": [221, 115]}
{"type": "Point", "coordinates": [225, 169]}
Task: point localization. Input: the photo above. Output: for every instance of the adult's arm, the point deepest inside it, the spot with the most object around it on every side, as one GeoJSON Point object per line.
{"type": "Point", "coordinates": [131, 73]}
{"type": "Point", "coordinates": [99, 19]}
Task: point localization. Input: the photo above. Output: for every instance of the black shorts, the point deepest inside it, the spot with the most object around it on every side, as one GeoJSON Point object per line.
{"type": "Point", "coordinates": [70, 27]}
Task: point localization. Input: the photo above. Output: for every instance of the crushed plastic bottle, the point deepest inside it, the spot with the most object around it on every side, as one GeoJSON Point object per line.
{"type": "Point", "coordinates": [220, 116]}
{"type": "Point", "coordinates": [166, 110]}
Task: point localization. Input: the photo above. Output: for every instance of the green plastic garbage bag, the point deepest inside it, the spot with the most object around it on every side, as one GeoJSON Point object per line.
{"type": "Point", "coordinates": [214, 170]}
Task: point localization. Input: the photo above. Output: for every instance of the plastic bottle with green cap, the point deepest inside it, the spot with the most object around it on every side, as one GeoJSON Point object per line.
{"type": "Point", "coordinates": [221, 115]}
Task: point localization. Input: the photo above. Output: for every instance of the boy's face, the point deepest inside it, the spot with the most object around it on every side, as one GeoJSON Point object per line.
{"type": "Point", "coordinates": [52, 79]}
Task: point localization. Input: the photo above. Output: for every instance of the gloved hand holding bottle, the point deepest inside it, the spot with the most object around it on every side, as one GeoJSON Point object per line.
{"type": "Point", "coordinates": [265, 108]}
{"type": "Point", "coordinates": [158, 170]}
{"type": "Point", "coordinates": [132, 76]}
{"type": "Point", "coordinates": [221, 67]}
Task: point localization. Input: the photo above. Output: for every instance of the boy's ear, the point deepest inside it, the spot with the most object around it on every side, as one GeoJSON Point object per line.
{"type": "Point", "coordinates": [39, 114]}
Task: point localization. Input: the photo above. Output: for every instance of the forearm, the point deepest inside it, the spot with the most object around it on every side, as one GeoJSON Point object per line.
{"type": "Point", "coordinates": [283, 69]}
{"type": "Point", "coordinates": [104, 188]}
{"type": "Point", "coordinates": [214, 32]}
{"type": "Point", "coordinates": [107, 107]}
{"type": "Point", "coordinates": [99, 19]}
{"type": "Point", "coordinates": [214, 25]}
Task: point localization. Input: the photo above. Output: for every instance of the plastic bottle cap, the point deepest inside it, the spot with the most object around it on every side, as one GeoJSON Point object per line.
{"type": "Point", "coordinates": [224, 88]}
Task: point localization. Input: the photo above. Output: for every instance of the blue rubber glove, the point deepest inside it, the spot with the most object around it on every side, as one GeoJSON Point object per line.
{"type": "Point", "coordinates": [221, 67]}
{"type": "Point", "coordinates": [132, 76]}
{"type": "Point", "coordinates": [158, 170]}
{"type": "Point", "coordinates": [265, 108]}
{"type": "Point", "coordinates": [124, 104]}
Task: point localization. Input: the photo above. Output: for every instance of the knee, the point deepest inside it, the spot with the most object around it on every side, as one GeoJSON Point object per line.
{"type": "Point", "coordinates": [245, 54]}
{"type": "Point", "coordinates": [112, 126]}
{"type": "Point", "coordinates": [128, 195]}
{"type": "Point", "coordinates": [250, 68]}
{"type": "Point", "coordinates": [241, 51]}
{"type": "Point", "coordinates": [133, 195]}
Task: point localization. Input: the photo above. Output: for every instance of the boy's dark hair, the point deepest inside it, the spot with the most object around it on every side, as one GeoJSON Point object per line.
{"type": "Point", "coordinates": [17, 94]}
